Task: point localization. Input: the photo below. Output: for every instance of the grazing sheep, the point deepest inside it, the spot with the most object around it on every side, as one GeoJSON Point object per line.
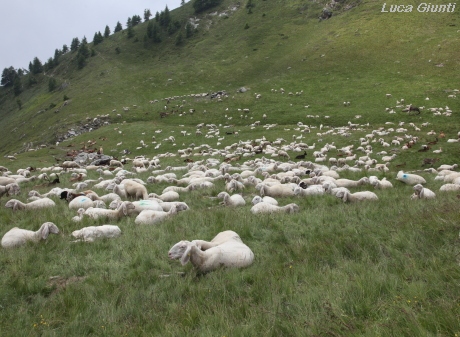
{"type": "Point", "coordinates": [422, 193]}
{"type": "Point", "coordinates": [231, 201]}
{"type": "Point", "coordinates": [149, 217]}
{"type": "Point", "coordinates": [122, 210]}
{"type": "Point", "coordinates": [357, 196]}
{"type": "Point", "coordinates": [232, 253]}
{"type": "Point", "coordinates": [134, 190]}
{"type": "Point", "coordinates": [264, 207]}
{"type": "Point", "coordinates": [91, 233]}
{"type": "Point", "coordinates": [266, 199]}
{"type": "Point", "coordinates": [17, 237]}
{"type": "Point", "coordinates": [10, 189]}
{"type": "Point", "coordinates": [410, 179]}
{"type": "Point", "coordinates": [37, 204]}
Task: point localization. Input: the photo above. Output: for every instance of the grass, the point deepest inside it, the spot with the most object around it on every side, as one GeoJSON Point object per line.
{"type": "Point", "coordinates": [388, 268]}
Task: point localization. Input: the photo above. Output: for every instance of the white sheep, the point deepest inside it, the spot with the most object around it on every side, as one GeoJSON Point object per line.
{"type": "Point", "coordinates": [85, 202]}
{"type": "Point", "coordinates": [89, 234]}
{"type": "Point", "coordinates": [231, 253]}
{"type": "Point", "coordinates": [139, 206]}
{"type": "Point", "coordinates": [351, 183]}
{"type": "Point", "coordinates": [37, 204]}
{"type": "Point", "coordinates": [309, 191]}
{"type": "Point", "coordinates": [16, 236]}
{"type": "Point", "coordinates": [357, 196]}
{"type": "Point", "coordinates": [234, 200]}
{"type": "Point", "coordinates": [422, 193]}
{"type": "Point", "coordinates": [278, 190]}
{"type": "Point", "coordinates": [450, 187]}
{"type": "Point", "coordinates": [166, 196]}
{"type": "Point", "coordinates": [410, 179]}
{"type": "Point", "coordinates": [10, 189]}
{"type": "Point", "coordinates": [447, 167]}
{"type": "Point", "coordinates": [97, 213]}
{"type": "Point", "coordinates": [220, 238]}
{"type": "Point", "coordinates": [132, 189]}
{"type": "Point", "coordinates": [149, 217]}
{"type": "Point", "coordinates": [167, 205]}
{"type": "Point", "coordinates": [380, 184]}
{"type": "Point", "coordinates": [264, 207]}
{"type": "Point", "coordinates": [266, 199]}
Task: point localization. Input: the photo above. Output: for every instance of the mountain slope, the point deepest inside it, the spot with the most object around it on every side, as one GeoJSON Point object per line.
{"type": "Point", "coordinates": [357, 55]}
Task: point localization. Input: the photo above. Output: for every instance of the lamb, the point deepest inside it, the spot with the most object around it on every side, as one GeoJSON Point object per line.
{"type": "Point", "coordinates": [357, 196]}
{"type": "Point", "coordinates": [91, 233]}
{"type": "Point", "coordinates": [97, 213]}
{"type": "Point", "coordinates": [422, 193]}
{"type": "Point", "coordinates": [264, 207]}
{"type": "Point", "coordinates": [7, 180]}
{"type": "Point", "coordinates": [134, 189]}
{"type": "Point", "coordinates": [231, 201]}
{"type": "Point", "coordinates": [149, 217]}
{"type": "Point", "coordinates": [410, 179]}
{"type": "Point", "coordinates": [232, 253]}
{"type": "Point", "coordinates": [37, 204]}
{"type": "Point", "coordinates": [380, 184]}
{"type": "Point", "coordinates": [17, 237]}
{"type": "Point", "coordinates": [167, 205]}
{"type": "Point", "coordinates": [266, 199]}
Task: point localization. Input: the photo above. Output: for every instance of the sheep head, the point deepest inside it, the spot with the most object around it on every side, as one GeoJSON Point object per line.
{"type": "Point", "coordinates": [181, 250]}
{"type": "Point", "coordinates": [47, 228]}
{"type": "Point", "coordinates": [14, 204]}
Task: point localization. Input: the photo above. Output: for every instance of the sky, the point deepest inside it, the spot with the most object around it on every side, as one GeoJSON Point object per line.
{"type": "Point", "coordinates": [36, 28]}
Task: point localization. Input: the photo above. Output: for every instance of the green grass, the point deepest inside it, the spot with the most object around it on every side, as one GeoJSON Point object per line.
{"type": "Point", "coordinates": [388, 268]}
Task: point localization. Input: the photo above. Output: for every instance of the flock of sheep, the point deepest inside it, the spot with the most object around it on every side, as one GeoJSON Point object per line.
{"type": "Point", "coordinates": [271, 176]}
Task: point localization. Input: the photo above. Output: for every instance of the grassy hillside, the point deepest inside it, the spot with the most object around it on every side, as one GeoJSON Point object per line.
{"type": "Point", "coordinates": [358, 55]}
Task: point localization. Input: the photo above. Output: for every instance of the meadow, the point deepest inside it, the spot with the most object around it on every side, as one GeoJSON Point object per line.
{"type": "Point", "coordinates": [385, 268]}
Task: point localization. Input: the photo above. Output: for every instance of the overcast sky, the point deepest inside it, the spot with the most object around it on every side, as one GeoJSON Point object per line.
{"type": "Point", "coordinates": [36, 28]}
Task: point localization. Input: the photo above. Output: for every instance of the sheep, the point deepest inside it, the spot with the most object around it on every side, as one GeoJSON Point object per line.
{"type": "Point", "coordinates": [97, 213]}
{"type": "Point", "coordinates": [422, 193]}
{"type": "Point", "coordinates": [10, 189]}
{"type": "Point", "coordinates": [218, 239]}
{"type": "Point", "coordinates": [265, 207]}
{"type": "Point", "coordinates": [357, 196]}
{"type": "Point", "coordinates": [279, 190]}
{"type": "Point", "coordinates": [91, 233]}
{"type": "Point", "coordinates": [266, 199]}
{"type": "Point", "coordinates": [167, 205]}
{"type": "Point", "coordinates": [85, 202]}
{"type": "Point", "coordinates": [135, 189]}
{"type": "Point", "coordinates": [37, 204]}
{"type": "Point", "coordinates": [309, 191]}
{"type": "Point", "coordinates": [167, 196]}
{"type": "Point", "coordinates": [450, 187]}
{"type": "Point", "coordinates": [17, 237]}
{"type": "Point", "coordinates": [7, 180]}
{"type": "Point", "coordinates": [447, 167]}
{"type": "Point", "coordinates": [380, 184]}
{"type": "Point", "coordinates": [231, 201]}
{"type": "Point", "coordinates": [139, 206]}
{"type": "Point", "coordinates": [351, 183]}
{"type": "Point", "coordinates": [149, 217]}
{"type": "Point", "coordinates": [231, 253]}
{"type": "Point", "coordinates": [410, 179]}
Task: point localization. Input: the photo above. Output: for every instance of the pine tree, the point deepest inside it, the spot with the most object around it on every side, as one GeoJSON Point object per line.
{"type": "Point", "coordinates": [188, 30]}
{"type": "Point", "coordinates": [52, 84]}
{"type": "Point", "coordinates": [107, 32]}
{"type": "Point", "coordinates": [130, 32]}
{"type": "Point", "coordinates": [57, 54]}
{"type": "Point", "coordinates": [37, 66]}
{"type": "Point", "coordinates": [75, 44]}
{"type": "Point", "coordinates": [65, 49]}
{"type": "Point", "coordinates": [147, 14]}
{"type": "Point", "coordinates": [156, 34]}
{"type": "Point", "coordinates": [118, 27]}
{"type": "Point", "coordinates": [182, 2]}
{"type": "Point", "coordinates": [17, 86]}
{"type": "Point", "coordinates": [8, 76]}
{"type": "Point", "coordinates": [135, 20]}
{"type": "Point", "coordinates": [150, 29]}
{"type": "Point", "coordinates": [129, 23]}
{"type": "Point", "coordinates": [179, 39]}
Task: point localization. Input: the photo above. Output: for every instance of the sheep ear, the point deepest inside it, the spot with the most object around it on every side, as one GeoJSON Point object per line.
{"type": "Point", "coordinates": [186, 256]}
{"type": "Point", "coordinates": [45, 232]}
{"type": "Point", "coordinates": [345, 197]}
{"type": "Point", "coordinates": [124, 209]}
{"type": "Point", "coordinates": [15, 206]}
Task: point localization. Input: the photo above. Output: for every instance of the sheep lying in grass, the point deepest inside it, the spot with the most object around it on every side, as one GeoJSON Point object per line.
{"type": "Point", "coordinates": [139, 206]}
{"type": "Point", "coordinates": [98, 213]}
{"type": "Point", "coordinates": [234, 200]}
{"type": "Point", "coordinates": [266, 199]}
{"type": "Point", "coordinates": [37, 204]}
{"type": "Point", "coordinates": [231, 253]}
{"type": "Point", "coordinates": [85, 202]}
{"type": "Point", "coordinates": [309, 191]}
{"type": "Point", "coordinates": [16, 236]}
{"type": "Point", "coordinates": [380, 184]}
{"type": "Point", "coordinates": [91, 233]}
{"type": "Point", "coordinates": [263, 207]}
{"type": "Point", "coordinates": [357, 196]}
{"type": "Point", "coordinates": [410, 179]}
{"type": "Point", "coordinates": [351, 183]}
{"type": "Point", "coordinates": [422, 193]}
{"type": "Point", "coordinates": [149, 217]}
{"type": "Point", "coordinates": [167, 196]}
{"type": "Point", "coordinates": [278, 190]}
{"type": "Point", "coordinates": [450, 187]}
{"type": "Point", "coordinates": [217, 240]}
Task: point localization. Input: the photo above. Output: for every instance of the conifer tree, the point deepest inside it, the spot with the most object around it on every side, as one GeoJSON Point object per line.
{"type": "Point", "coordinates": [147, 14]}
{"type": "Point", "coordinates": [75, 44]}
{"type": "Point", "coordinates": [118, 27]}
{"type": "Point", "coordinates": [17, 86]}
{"type": "Point", "coordinates": [37, 66]}
{"type": "Point", "coordinates": [107, 32]}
